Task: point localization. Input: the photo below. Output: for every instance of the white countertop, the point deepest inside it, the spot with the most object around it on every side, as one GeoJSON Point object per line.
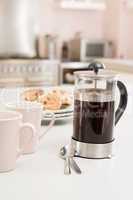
{"type": "Point", "coordinates": [123, 65]}
{"type": "Point", "coordinates": [40, 176]}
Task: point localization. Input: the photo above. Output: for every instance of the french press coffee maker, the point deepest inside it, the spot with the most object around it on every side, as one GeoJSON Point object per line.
{"type": "Point", "coordinates": [94, 111]}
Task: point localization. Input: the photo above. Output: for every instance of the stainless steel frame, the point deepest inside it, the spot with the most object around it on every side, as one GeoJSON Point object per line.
{"type": "Point", "coordinates": [89, 150]}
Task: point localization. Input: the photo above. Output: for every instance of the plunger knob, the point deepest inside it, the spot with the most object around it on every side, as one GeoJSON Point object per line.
{"type": "Point", "coordinates": [95, 66]}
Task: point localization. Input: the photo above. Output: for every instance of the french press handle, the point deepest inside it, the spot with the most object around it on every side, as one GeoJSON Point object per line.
{"type": "Point", "coordinates": [96, 66]}
{"type": "Point", "coordinates": [123, 101]}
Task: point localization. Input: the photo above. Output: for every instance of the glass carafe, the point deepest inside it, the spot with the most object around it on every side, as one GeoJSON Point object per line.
{"type": "Point", "coordinates": [95, 114]}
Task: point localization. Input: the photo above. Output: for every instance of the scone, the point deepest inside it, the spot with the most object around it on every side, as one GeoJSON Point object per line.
{"type": "Point", "coordinates": [51, 101]}
{"type": "Point", "coordinates": [32, 94]}
{"type": "Point", "coordinates": [64, 95]}
{"type": "Point", "coordinates": [66, 98]}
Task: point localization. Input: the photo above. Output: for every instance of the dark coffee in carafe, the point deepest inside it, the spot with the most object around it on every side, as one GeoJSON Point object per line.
{"type": "Point", "coordinates": [93, 121]}
{"type": "Point", "coordinates": [95, 115]}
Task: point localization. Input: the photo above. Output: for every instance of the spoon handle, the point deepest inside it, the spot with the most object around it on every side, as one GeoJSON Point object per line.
{"type": "Point", "coordinates": [74, 166]}
{"type": "Point", "coordinates": [67, 170]}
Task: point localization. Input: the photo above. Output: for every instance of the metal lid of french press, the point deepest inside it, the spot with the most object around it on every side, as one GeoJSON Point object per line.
{"type": "Point", "coordinates": [96, 66]}
{"type": "Point", "coordinates": [96, 70]}
{"type": "Point", "coordinates": [97, 83]}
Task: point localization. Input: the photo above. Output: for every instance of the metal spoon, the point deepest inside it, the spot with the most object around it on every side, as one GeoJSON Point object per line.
{"type": "Point", "coordinates": [73, 164]}
{"type": "Point", "coordinates": [67, 169]}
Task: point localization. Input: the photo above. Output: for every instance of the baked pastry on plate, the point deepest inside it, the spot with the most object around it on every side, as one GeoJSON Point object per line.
{"type": "Point", "coordinates": [32, 94]}
{"type": "Point", "coordinates": [50, 101]}
{"type": "Point", "coordinates": [53, 99]}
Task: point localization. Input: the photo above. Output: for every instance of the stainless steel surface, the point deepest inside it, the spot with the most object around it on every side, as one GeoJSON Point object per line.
{"type": "Point", "coordinates": [74, 166]}
{"type": "Point", "coordinates": [64, 154]}
{"type": "Point", "coordinates": [67, 169]}
{"type": "Point", "coordinates": [18, 34]}
{"type": "Point", "coordinates": [87, 150]}
{"type": "Point", "coordinates": [29, 72]}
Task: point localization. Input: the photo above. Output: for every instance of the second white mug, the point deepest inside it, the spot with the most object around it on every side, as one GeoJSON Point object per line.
{"type": "Point", "coordinates": [11, 130]}
{"type": "Point", "coordinates": [32, 113]}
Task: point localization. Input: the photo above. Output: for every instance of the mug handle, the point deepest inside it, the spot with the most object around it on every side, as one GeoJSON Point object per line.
{"type": "Point", "coordinates": [32, 130]}
{"type": "Point", "coordinates": [123, 101]}
{"type": "Point", "coordinates": [50, 124]}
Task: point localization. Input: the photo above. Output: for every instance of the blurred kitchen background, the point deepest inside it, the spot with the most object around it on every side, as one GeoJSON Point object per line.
{"type": "Point", "coordinates": [43, 42]}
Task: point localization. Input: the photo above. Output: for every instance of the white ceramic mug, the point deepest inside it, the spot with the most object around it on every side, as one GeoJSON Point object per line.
{"type": "Point", "coordinates": [11, 128]}
{"type": "Point", "coordinates": [32, 113]}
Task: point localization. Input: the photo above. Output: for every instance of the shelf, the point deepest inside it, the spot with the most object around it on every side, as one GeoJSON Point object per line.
{"type": "Point", "coordinates": [82, 6]}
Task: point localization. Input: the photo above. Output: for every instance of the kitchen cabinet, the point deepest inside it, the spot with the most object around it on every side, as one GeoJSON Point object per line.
{"type": "Point", "coordinates": [29, 72]}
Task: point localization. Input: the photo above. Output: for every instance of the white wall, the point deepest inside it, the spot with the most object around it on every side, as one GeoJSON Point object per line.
{"type": "Point", "coordinates": [65, 23]}
{"type": "Point", "coordinates": [116, 23]}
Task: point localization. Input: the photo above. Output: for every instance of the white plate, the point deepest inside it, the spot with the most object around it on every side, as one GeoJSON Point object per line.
{"type": "Point", "coordinates": [59, 115]}
{"type": "Point", "coordinates": [14, 95]}
{"type": "Point", "coordinates": [68, 109]}
{"type": "Point", "coordinates": [59, 118]}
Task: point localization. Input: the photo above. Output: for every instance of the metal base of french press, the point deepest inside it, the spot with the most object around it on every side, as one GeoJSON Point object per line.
{"type": "Point", "coordinates": [92, 151]}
